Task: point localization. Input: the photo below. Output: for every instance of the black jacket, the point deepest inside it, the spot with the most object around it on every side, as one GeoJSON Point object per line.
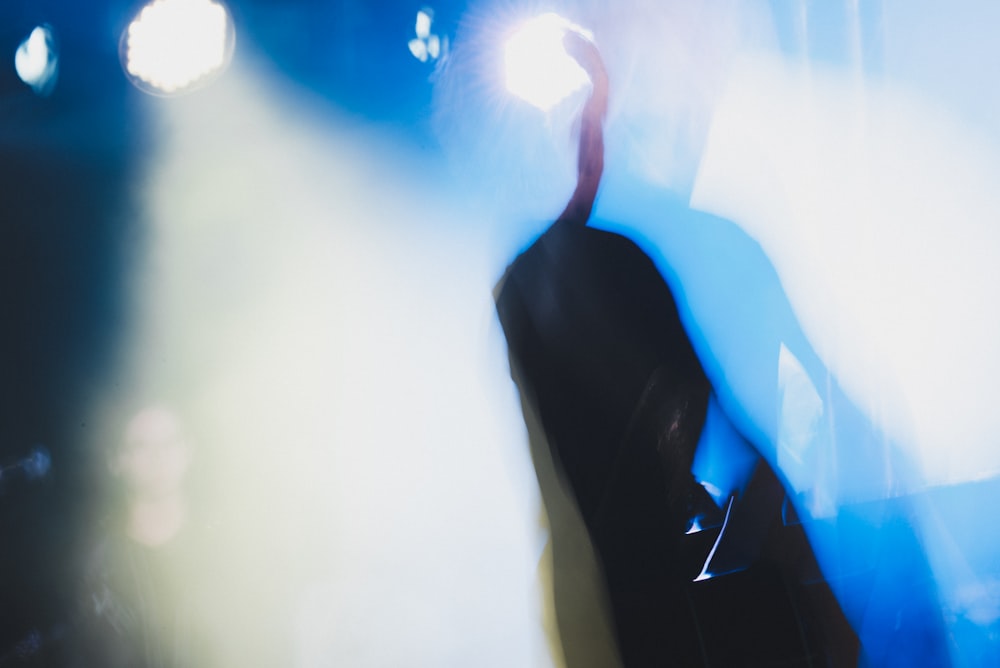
{"type": "Point", "coordinates": [604, 364]}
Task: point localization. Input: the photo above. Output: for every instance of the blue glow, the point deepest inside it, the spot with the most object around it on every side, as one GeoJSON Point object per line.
{"type": "Point", "coordinates": [741, 321]}
{"type": "Point", "coordinates": [724, 461]}
{"type": "Point", "coordinates": [37, 464]}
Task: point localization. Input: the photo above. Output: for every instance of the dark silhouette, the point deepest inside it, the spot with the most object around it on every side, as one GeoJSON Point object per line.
{"type": "Point", "coordinates": [613, 392]}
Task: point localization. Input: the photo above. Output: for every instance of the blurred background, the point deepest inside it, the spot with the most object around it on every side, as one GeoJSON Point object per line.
{"type": "Point", "coordinates": [247, 269]}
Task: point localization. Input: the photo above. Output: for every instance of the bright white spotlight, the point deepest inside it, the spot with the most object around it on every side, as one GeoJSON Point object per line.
{"type": "Point", "coordinates": [36, 60]}
{"type": "Point", "coordinates": [173, 46]}
{"type": "Point", "coordinates": [537, 67]}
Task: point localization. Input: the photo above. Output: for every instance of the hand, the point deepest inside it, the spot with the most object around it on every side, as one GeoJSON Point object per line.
{"type": "Point", "coordinates": [584, 52]}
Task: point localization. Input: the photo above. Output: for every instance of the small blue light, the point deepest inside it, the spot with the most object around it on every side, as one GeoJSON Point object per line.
{"type": "Point", "coordinates": [37, 463]}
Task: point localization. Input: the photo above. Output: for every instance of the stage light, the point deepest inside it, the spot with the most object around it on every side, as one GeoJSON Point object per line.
{"type": "Point", "coordinates": [173, 46]}
{"type": "Point", "coordinates": [37, 60]}
{"type": "Point", "coordinates": [537, 67]}
{"type": "Point", "coordinates": [426, 45]}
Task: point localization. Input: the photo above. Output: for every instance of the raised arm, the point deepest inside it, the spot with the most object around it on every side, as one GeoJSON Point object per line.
{"type": "Point", "coordinates": [590, 162]}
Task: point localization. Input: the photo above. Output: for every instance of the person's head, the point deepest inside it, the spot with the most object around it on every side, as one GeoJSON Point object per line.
{"type": "Point", "coordinates": [154, 453]}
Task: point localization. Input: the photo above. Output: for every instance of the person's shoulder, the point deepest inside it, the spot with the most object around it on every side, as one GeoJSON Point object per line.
{"type": "Point", "coordinates": [522, 262]}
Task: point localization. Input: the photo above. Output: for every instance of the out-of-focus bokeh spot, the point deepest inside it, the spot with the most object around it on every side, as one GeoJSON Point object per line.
{"type": "Point", "coordinates": [175, 45]}
{"type": "Point", "coordinates": [427, 45]}
{"type": "Point", "coordinates": [537, 67]}
{"type": "Point", "coordinates": [33, 466]}
{"type": "Point", "coordinates": [37, 463]}
{"type": "Point", "coordinates": [37, 60]}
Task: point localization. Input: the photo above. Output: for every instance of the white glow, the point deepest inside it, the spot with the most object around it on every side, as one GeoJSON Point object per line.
{"type": "Point", "coordinates": [339, 480]}
{"type": "Point", "coordinates": [419, 49]}
{"type": "Point", "coordinates": [423, 27]}
{"type": "Point", "coordinates": [877, 207]}
{"type": "Point", "coordinates": [172, 45]}
{"type": "Point", "coordinates": [536, 66]}
{"type": "Point", "coordinates": [36, 60]}
{"type": "Point", "coordinates": [426, 46]}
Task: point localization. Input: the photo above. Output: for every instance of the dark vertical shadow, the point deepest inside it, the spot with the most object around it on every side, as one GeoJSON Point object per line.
{"type": "Point", "coordinates": [67, 169]}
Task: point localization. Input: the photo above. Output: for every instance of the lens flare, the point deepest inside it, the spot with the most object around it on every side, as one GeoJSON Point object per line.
{"type": "Point", "coordinates": [173, 46]}
{"type": "Point", "coordinates": [537, 67]}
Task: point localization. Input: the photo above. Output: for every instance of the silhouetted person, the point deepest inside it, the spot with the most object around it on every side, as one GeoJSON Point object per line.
{"type": "Point", "coordinates": [612, 389]}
